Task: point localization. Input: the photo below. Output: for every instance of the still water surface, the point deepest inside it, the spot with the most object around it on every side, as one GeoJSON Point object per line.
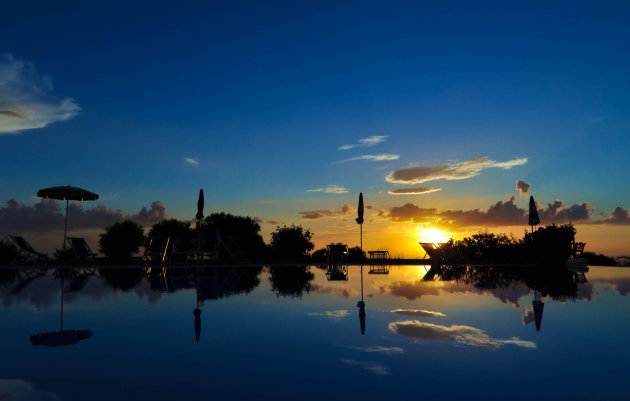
{"type": "Point", "coordinates": [303, 333]}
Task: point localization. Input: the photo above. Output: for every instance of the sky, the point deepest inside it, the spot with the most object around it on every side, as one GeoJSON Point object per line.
{"type": "Point", "coordinates": [446, 115]}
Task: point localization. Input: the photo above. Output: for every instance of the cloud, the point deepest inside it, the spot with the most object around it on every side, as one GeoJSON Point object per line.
{"type": "Point", "coordinates": [373, 367]}
{"type": "Point", "coordinates": [258, 220]}
{"type": "Point", "coordinates": [331, 314]}
{"type": "Point", "coordinates": [321, 213]}
{"type": "Point", "coordinates": [502, 213]}
{"type": "Point", "coordinates": [346, 292]}
{"type": "Point", "coordinates": [191, 161]}
{"type": "Point", "coordinates": [373, 158]}
{"type": "Point", "coordinates": [331, 189]}
{"type": "Point", "coordinates": [20, 390]}
{"type": "Point", "coordinates": [456, 171]}
{"type": "Point", "coordinates": [47, 215]}
{"type": "Point", "coordinates": [523, 187]}
{"type": "Point", "coordinates": [365, 142]}
{"type": "Point", "coordinates": [26, 98]}
{"type": "Point", "coordinates": [458, 334]}
{"type": "Point", "coordinates": [380, 350]}
{"type": "Point", "coordinates": [413, 191]}
{"type": "Point", "coordinates": [619, 216]}
{"type": "Point", "coordinates": [417, 312]}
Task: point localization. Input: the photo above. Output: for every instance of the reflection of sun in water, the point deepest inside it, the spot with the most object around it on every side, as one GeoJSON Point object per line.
{"type": "Point", "coordinates": [432, 235]}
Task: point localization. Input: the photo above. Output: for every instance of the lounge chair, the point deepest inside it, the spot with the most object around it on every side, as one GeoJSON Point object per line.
{"type": "Point", "coordinates": [157, 249]}
{"type": "Point", "coordinates": [81, 249]}
{"type": "Point", "coordinates": [182, 249]}
{"type": "Point", "coordinates": [233, 250]}
{"type": "Point", "coordinates": [26, 253]}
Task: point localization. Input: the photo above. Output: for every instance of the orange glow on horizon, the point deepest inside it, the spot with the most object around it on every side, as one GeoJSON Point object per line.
{"type": "Point", "coordinates": [432, 235]}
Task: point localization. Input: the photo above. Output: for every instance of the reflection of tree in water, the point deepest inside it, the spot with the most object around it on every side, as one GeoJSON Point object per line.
{"type": "Point", "coordinates": [290, 280]}
{"type": "Point", "coordinates": [7, 277]}
{"type": "Point", "coordinates": [124, 279]}
{"type": "Point", "coordinates": [554, 282]}
{"type": "Point", "coordinates": [215, 283]}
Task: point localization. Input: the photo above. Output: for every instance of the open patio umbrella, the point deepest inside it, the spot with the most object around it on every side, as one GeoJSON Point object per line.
{"type": "Point", "coordinates": [66, 193]}
{"type": "Point", "coordinates": [534, 220]}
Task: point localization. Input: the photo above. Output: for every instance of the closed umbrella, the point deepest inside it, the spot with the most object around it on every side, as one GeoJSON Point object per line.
{"type": "Point", "coordinates": [66, 193]}
{"type": "Point", "coordinates": [360, 218]}
{"type": "Point", "coordinates": [199, 216]}
{"type": "Point", "coordinates": [534, 220]}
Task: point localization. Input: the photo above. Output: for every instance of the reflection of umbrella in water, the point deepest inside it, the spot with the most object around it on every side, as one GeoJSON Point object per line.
{"type": "Point", "coordinates": [66, 193]}
{"type": "Point", "coordinates": [61, 337]}
{"type": "Point", "coordinates": [361, 306]}
{"type": "Point", "coordinates": [539, 306]}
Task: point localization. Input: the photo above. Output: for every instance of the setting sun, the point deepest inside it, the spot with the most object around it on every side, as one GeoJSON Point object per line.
{"type": "Point", "coordinates": [432, 235]}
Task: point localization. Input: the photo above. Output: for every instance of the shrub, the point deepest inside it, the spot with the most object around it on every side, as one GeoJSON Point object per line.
{"type": "Point", "coordinates": [121, 240]}
{"type": "Point", "coordinates": [291, 242]}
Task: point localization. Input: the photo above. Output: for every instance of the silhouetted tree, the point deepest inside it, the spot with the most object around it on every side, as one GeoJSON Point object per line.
{"type": "Point", "coordinates": [121, 240]}
{"type": "Point", "coordinates": [171, 228]}
{"type": "Point", "coordinates": [355, 254]}
{"type": "Point", "coordinates": [290, 280]}
{"type": "Point", "coordinates": [291, 242]}
{"type": "Point", "coordinates": [244, 229]}
{"type": "Point", "coordinates": [8, 252]}
{"type": "Point", "coordinates": [599, 259]}
{"type": "Point", "coordinates": [319, 256]}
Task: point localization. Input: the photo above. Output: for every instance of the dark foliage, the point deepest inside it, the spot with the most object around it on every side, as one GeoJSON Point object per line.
{"type": "Point", "coordinates": [244, 230]}
{"type": "Point", "coordinates": [121, 240]}
{"type": "Point", "coordinates": [319, 256]}
{"type": "Point", "coordinates": [291, 243]}
{"type": "Point", "coordinates": [8, 252]}
{"type": "Point", "coordinates": [355, 254]}
{"type": "Point", "coordinates": [122, 278]}
{"type": "Point", "coordinates": [290, 281]}
{"type": "Point", "coordinates": [171, 228]}
{"type": "Point", "coordinates": [61, 255]}
{"type": "Point", "coordinates": [599, 259]}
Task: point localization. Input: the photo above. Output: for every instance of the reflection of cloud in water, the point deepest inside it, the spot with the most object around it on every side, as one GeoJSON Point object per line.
{"type": "Point", "coordinates": [373, 367]}
{"type": "Point", "coordinates": [346, 292]}
{"type": "Point", "coordinates": [458, 334]}
{"type": "Point", "coordinates": [528, 316]}
{"type": "Point", "coordinates": [620, 284]}
{"type": "Point", "coordinates": [21, 390]}
{"type": "Point", "coordinates": [417, 312]}
{"type": "Point", "coordinates": [417, 289]}
{"type": "Point", "coordinates": [381, 350]}
{"type": "Point", "coordinates": [331, 314]}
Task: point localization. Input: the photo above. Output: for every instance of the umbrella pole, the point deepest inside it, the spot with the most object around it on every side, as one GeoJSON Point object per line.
{"type": "Point", "coordinates": [65, 228]}
{"type": "Point", "coordinates": [361, 240]}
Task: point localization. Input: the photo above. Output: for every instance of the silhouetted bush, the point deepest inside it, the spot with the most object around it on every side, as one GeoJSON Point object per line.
{"type": "Point", "coordinates": [290, 280]}
{"type": "Point", "coordinates": [291, 242]}
{"type": "Point", "coordinates": [244, 229]}
{"type": "Point", "coordinates": [355, 254]}
{"type": "Point", "coordinates": [8, 252]}
{"type": "Point", "coordinates": [121, 240]}
{"type": "Point", "coordinates": [599, 259]}
{"type": "Point", "coordinates": [61, 255]}
{"type": "Point", "coordinates": [319, 256]}
{"type": "Point", "coordinates": [171, 228]}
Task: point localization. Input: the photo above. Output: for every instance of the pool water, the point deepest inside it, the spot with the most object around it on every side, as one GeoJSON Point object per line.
{"type": "Point", "coordinates": [298, 332]}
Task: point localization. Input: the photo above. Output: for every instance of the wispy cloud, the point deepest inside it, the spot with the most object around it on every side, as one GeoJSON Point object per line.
{"type": "Point", "coordinates": [26, 98]}
{"type": "Point", "coordinates": [365, 142]}
{"type": "Point", "coordinates": [522, 187]}
{"type": "Point", "coordinates": [331, 189]}
{"type": "Point", "coordinates": [380, 350]}
{"type": "Point", "coordinates": [457, 334]}
{"type": "Point", "coordinates": [373, 367]}
{"type": "Point", "coordinates": [413, 191]}
{"type": "Point", "coordinates": [321, 213]}
{"type": "Point", "coordinates": [417, 312]}
{"type": "Point", "coordinates": [373, 158]}
{"type": "Point", "coordinates": [191, 161]}
{"type": "Point", "coordinates": [455, 171]}
{"type": "Point", "coordinates": [331, 314]}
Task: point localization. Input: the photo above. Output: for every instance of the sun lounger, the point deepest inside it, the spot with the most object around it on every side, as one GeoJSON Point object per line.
{"type": "Point", "coordinates": [233, 250]}
{"type": "Point", "coordinates": [27, 254]}
{"type": "Point", "coordinates": [182, 250]}
{"type": "Point", "coordinates": [81, 249]}
{"type": "Point", "coordinates": [157, 249]}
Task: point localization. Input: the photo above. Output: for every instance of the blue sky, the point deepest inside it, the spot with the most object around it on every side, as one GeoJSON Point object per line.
{"type": "Point", "coordinates": [261, 95]}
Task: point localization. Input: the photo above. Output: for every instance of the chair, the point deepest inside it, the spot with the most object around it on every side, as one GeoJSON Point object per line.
{"type": "Point", "coordinates": [26, 253]}
{"type": "Point", "coordinates": [81, 249]}
{"type": "Point", "coordinates": [156, 251]}
{"type": "Point", "coordinates": [230, 246]}
{"type": "Point", "coordinates": [181, 248]}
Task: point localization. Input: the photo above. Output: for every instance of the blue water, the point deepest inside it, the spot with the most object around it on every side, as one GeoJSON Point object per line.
{"type": "Point", "coordinates": [291, 333]}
